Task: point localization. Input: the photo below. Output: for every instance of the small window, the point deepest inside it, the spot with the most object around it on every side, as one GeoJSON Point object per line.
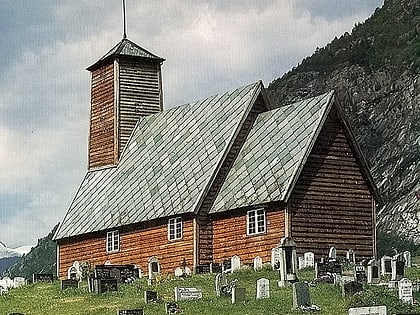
{"type": "Point", "coordinates": [256, 222]}
{"type": "Point", "coordinates": [175, 228]}
{"type": "Point", "coordinates": [112, 241]}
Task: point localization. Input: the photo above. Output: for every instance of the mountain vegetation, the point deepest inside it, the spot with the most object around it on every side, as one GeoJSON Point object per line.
{"type": "Point", "coordinates": [375, 73]}
{"type": "Point", "coordinates": [41, 259]}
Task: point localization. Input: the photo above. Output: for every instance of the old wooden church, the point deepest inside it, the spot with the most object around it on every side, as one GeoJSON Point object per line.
{"type": "Point", "coordinates": [226, 175]}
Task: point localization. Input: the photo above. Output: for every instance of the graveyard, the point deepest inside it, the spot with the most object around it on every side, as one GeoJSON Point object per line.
{"type": "Point", "coordinates": [257, 292]}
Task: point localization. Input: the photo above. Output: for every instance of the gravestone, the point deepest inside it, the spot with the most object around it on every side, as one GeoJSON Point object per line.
{"type": "Point", "coordinates": [153, 267]}
{"type": "Point", "coordinates": [351, 256]}
{"type": "Point", "coordinates": [75, 271]}
{"type": "Point", "coordinates": [301, 296]}
{"type": "Point", "coordinates": [238, 295]}
{"type": "Point", "coordinates": [275, 258]}
{"type": "Point", "coordinates": [301, 263]}
{"type": "Point", "coordinates": [309, 259]}
{"type": "Point", "coordinates": [122, 273]}
{"type": "Point", "coordinates": [18, 282]}
{"type": "Point", "coordinates": [105, 285]}
{"type": "Point", "coordinates": [227, 265]}
{"type": "Point", "coordinates": [288, 262]}
{"type": "Point", "coordinates": [200, 269]}
{"type": "Point", "coordinates": [368, 310]}
{"type": "Point", "coordinates": [373, 276]}
{"type": "Point", "coordinates": [397, 267]}
{"type": "Point", "coordinates": [137, 311]}
{"type": "Point", "coordinates": [8, 283]}
{"type": "Point", "coordinates": [69, 284]}
{"type": "Point", "coordinates": [407, 258]}
{"type": "Point", "coordinates": [258, 263]}
{"type": "Point", "coordinates": [332, 254]}
{"type": "Point", "coordinates": [42, 277]}
{"type": "Point", "coordinates": [350, 288]}
{"type": "Point", "coordinates": [360, 273]}
{"type": "Point", "coordinates": [179, 272]}
{"type": "Point", "coordinates": [220, 281]}
{"type": "Point", "coordinates": [405, 290]}
{"type": "Point", "coordinates": [235, 262]}
{"type": "Point", "coordinates": [150, 296]}
{"type": "Point", "coordinates": [182, 294]}
{"type": "Point", "coordinates": [172, 308]}
{"type": "Point", "coordinates": [263, 288]}
{"type": "Point", "coordinates": [215, 268]}
{"type": "Point", "coordinates": [386, 268]}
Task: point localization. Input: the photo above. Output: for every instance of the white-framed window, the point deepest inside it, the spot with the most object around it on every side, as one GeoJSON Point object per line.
{"type": "Point", "coordinates": [255, 222]}
{"type": "Point", "coordinates": [113, 241]}
{"type": "Point", "coordinates": [175, 229]}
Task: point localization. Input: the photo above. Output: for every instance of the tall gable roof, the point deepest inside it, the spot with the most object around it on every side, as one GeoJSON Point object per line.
{"type": "Point", "coordinates": [273, 154]}
{"type": "Point", "coordinates": [164, 168]}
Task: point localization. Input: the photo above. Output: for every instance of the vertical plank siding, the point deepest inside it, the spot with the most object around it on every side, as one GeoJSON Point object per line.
{"type": "Point", "coordinates": [331, 204]}
{"type": "Point", "coordinates": [101, 136]}
{"type": "Point", "coordinates": [139, 95]}
{"type": "Point", "coordinates": [230, 237]}
{"type": "Point", "coordinates": [135, 248]}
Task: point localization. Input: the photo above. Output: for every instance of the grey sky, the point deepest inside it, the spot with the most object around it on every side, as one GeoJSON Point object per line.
{"type": "Point", "coordinates": [209, 47]}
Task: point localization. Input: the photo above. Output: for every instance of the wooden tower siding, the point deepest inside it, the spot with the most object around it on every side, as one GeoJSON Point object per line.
{"type": "Point", "coordinates": [140, 95]}
{"type": "Point", "coordinates": [136, 246]}
{"type": "Point", "coordinates": [230, 237]}
{"type": "Point", "coordinates": [331, 204]}
{"type": "Point", "coordinates": [205, 227]}
{"type": "Point", "coordinates": [102, 126]}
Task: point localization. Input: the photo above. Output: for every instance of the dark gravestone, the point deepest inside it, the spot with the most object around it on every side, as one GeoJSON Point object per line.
{"type": "Point", "coordinates": [69, 284]}
{"type": "Point", "coordinates": [227, 265]}
{"type": "Point", "coordinates": [351, 288]}
{"type": "Point", "coordinates": [360, 273]}
{"type": "Point", "coordinates": [400, 268]}
{"type": "Point", "coordinates": [388, 268]}
{"type": "Point", "coordinates": [15, 314]}
{"type": "Point", "coordinates": [172, 308]}
{"type": "Point", "coordinates": [137, 311]}
{"type": "Point", "coordinates": [105, 285]}
{"type": "Point", "coordinates": [200, 269]}
{"type": "Point", "coordinates": [123, 273]}
{"type": "Point", "coordinates": [375, 272]}
{"type": "Point", "coordinates": [301, 295]}
{"type": "Point", "coordinates": [150, 296]}
{"type": "Point", "coordinates": [42, 277]}
{"type": "Point", "coordinates": [215, 268]}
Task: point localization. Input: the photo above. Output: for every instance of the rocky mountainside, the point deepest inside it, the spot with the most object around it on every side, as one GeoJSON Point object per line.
{"type": "Point", "coordinates": [375, 73]}
{"type": "Point", "coordinates": [41, 259]}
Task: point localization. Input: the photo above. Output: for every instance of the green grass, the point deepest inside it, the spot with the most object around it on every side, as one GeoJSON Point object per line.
{"type": "Point", "coordinates": [49, 299]}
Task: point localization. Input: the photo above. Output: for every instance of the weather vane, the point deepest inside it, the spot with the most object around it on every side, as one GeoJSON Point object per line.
{"type": "Point", "coordinates": [124, 20]}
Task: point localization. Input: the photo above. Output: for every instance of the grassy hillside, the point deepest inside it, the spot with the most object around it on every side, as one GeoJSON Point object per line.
{"type": "Point", "coordinates": [49, 299]}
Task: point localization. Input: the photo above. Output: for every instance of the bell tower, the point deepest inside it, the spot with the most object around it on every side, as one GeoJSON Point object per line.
{"type": "Point", "coordinates": [126, 85]}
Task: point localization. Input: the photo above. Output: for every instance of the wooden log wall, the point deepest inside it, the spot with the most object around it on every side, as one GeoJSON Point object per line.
{"type": "Point", "coordinates": [331, 204]}
{"type": "Point", "coordinates": [230, 237]}
{"type": "Point", "coordinates": [102, 120]}
{"type": "Point", "coordinates": [136, 246]}
{"type": "Point", "coordinates": [205, 237]}
{"type": "Point", "coordinates": [140, 94]}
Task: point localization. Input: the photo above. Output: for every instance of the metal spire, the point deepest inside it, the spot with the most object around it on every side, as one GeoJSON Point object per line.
{"type": "Point", "coordinates": [124, 21]}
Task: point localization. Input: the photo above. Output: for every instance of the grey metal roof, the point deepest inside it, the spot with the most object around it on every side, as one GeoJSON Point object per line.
{"type": "Point", "coordinates": [164, 168]}
{"type": "Point", "coordinates": [126, 48]}
{"type": "Point", "coordinates": [273, 154]}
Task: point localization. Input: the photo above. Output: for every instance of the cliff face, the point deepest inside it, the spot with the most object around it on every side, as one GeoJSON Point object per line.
{"type": "Point", "coordinates": [375, 73]}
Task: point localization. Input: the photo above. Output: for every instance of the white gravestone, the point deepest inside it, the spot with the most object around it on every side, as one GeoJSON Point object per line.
{"type": "Point", "coordinates": [153, 267]}
{"type": "Point", "coordinates": [235, 263]}
{"type": "Point", "coordinates": [332, 254]}
{"type": "Point", "coordinates": [368, 310]}
{"type": "Point", "coordinates": [18, 282]}
{"type": "Point", "coordinates": [182, 294]}
{"type": "Point", "coordinates": [405, 290]}
{"type": "Point", "coordinates": [301, 262]}
{"type": "Point", "coordinates": [288, 262]}
{"type": "Point", "coordinates": [309, 258]}
{"type": "Point", "coordinates": [275, 257]}
{"type": "Point", "coordinates": [407, 258]}
{"type": "Point", "coordinates": [8, 283]}
{"type": "Point", "coordinates": [373, 272]}
{"type": "Point", "coordinates": [263, 288]}
{"type": "Point", "coordinates": [258, 263]}
{"type": "Point", "coordinates": [179, 272]}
